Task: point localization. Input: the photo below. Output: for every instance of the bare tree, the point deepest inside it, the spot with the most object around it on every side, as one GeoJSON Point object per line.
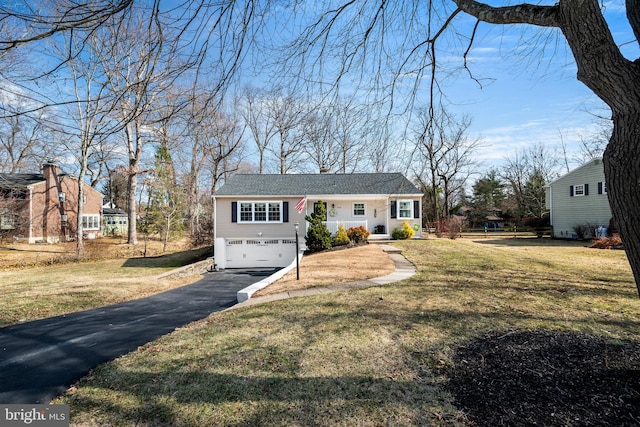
{"type": "Point", "coordinates": [287, 115]}
{"type": "Point", "coordinates": [526, 172]}
{"type": "Point", "coordinates": [25, 141]}
{"type": "Point", "coordinates": [612, 77]}
{"type": "Point", "coordinates": [261, 125]}
{"type": "Point", "coordinates": [446, 158]}
{"type": "Point", "coordinates": [320, 145]}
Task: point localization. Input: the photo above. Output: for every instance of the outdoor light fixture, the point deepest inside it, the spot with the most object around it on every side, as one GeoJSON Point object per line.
{"type": "Point", "coordinates": [259, 233]}
{"type": "Point", "coordinates": [297, 257]}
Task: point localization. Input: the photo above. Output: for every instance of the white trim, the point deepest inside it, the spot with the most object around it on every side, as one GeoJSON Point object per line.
{"type": "Point", "coordinates": [95, 217]}
{"type": "Point", "coordinates": [410, 202]}
{"type": "Point", "coordinates": [267, 204]}
{"type": "Point", "coordinates": [364, 209]}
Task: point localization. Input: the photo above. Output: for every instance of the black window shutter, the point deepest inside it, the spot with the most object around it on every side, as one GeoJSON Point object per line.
{"type": "Point", "coordinates": [234, 211]}
{"type": "Point", "coordinates": [393, 209]}
{"type": "Point", "coordinates": [416, 208]}
{"type": "Point", "coordinates": [586, 189]}
{"type": "Point", "coordinates": [285, 211]}
{"type": "Point", "coordinates": [600, 188]}
{"type": "Point", "coordinates": [571, 190]}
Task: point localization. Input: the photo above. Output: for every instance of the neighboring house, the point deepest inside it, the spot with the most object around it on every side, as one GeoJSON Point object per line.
{"type": "Point", "coordinates": [578, 202]}
{"type": "Point", "coordinates": [43, 207]}
{"type": "Point", "coordinates": [255, 215]}
{"type": "Point", "coordinates": [115, 221]}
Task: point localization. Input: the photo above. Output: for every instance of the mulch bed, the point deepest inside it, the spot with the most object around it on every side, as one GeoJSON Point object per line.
{"type": "Point", "coordinates": [547, 378]}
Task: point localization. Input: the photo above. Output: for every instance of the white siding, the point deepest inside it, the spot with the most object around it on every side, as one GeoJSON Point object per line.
{"type": "Point", "coordinates": [568, 211]}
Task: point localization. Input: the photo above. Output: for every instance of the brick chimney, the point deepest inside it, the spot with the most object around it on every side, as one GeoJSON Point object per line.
{"type": "Point", "coordinates": [50, 172]}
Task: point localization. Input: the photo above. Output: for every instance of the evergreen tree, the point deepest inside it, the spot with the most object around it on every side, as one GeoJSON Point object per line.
{"type": "Point", "coordinates": [318, 237]}
{"type": "Point", "coordinates": [488, 197]}
{"type": "Point", "coordinates": [164, 214]}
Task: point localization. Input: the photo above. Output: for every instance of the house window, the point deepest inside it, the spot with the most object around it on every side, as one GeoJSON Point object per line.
{"type": "Point", "coordinates": [91, 222]}
{"type": "Point", "coordinates": [358, 209]}
{"type": "Point", "coordinates": [274, 212]}
{"type": "Point", "coordinates": [7, 222]}
{"type": "Point", "coordinates": [578, 190]}
{"type": "Point", "coordinates": [260, 212]}
{"type": "Point", "coordinates": [602, 187]}
{"type": "Point", "coordinates": [405, 209]}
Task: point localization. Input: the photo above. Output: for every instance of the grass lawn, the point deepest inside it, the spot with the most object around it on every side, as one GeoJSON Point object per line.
{"type": "Point", "coordinates": [58, 285]}
{"type": "Point", "coordinates": [377, 356]}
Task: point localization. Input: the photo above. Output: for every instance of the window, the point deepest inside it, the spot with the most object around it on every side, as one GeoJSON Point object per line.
{"type": "Point", "coordinates": [358, 209]}
{"type": "Point", "coordinates": [260, 211]}
{"type": "Point", "coordinates": [91, 222]}
{"type": "Point", "coordinates": [7, 222]}
{"type": "Point", "coordinates": [602, 187]}
{"type": "Point", "coordinates": [405, 209]}
{"type": "Point", "coordinates": [578, 190]}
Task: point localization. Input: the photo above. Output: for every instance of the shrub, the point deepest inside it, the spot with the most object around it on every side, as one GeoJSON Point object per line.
{"type": "Point", "coordinates": [584, 231]}
{"type": "Point", "coordinates": [454, 227]}
{"type": "Point", "coordinates": [342, 237]}
{"type": "Point", "coordinates": [536, 221]}
{"type": "Point", "coordinates": [403, 233]}
{"type": "Point", "coordinates": [318, 237]}
{"type": "Point", "coordinates": [613, 242]}
{"type": "Point", "coordinates": [358, 234]}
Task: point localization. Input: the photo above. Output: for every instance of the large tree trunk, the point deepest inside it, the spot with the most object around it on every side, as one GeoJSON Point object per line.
{"type": "Point", "coordinates": [613, 78]}
{"type": "Point", "coordinates": [622, 174]}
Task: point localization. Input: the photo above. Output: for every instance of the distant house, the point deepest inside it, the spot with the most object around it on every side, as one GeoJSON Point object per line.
{"type": "Point", "coordinates": [578, 202]}
{"type": "Point", "coordinates": [115, 221]}
{"type": "Point", "coordinates": [43, 207]}
{"type": "Point", "coordinates": [255, 214]}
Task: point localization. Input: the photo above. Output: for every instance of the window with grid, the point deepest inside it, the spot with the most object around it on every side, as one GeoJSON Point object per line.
{"type": "Point", "coordinates": [358, 209]}
{"type": "Point", "coordinates": [91, 222]}
{"type": "Point", "coordinates": [260, 212]}
{"type": "Point", "coordinates": [405, 209]}
{"type": "Point", "coordinates": [7, 221]}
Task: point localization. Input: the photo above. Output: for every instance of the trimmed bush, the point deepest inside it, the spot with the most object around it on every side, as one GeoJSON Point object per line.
{"type": "Point", "coordinates": [358, 234]}
{"type": "Point", "coordinates": [403, 233]}
{"type": "Point", "coordinates": [342, 237]}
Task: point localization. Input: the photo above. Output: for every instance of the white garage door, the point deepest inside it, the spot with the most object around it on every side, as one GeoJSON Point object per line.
{"type": "Point", "coordinates": [242, 253]}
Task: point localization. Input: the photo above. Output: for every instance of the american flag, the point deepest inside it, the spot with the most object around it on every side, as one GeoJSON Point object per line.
{"type": "Point", "coordinates": [301, 203]}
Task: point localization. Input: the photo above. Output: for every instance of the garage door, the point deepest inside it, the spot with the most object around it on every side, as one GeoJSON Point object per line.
{"type": "Point", "coordinates": [242, 253]}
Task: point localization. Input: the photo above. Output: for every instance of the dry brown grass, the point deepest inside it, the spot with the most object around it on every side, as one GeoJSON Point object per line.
{"type": "Point", "coordinates": [18, 255]}
{"type": "Point", "coordinates": [38, 281]}
{"type": "Point", "coordinates": [367, 357]}
{"type": "Point", "coordinates": [332, 267]}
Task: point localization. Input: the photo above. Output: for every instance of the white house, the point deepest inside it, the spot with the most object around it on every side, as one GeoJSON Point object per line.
{"type": "Point", "coordinates": [255, 215]}
{"type": "Point", "coordinates": [579, 199]}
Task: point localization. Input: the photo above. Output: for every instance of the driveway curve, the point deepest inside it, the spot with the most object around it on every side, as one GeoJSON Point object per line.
{"type": "Point", "coordinates": [39, 360]}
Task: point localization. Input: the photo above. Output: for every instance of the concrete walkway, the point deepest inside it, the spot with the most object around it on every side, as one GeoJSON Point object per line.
{"type": "Point", "coordinates": [404, 269]}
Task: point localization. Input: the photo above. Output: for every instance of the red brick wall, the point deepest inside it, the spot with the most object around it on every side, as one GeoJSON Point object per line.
{"type": "Point", "coordinates": [47, 209]}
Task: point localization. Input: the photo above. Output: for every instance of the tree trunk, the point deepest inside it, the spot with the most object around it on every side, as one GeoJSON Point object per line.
{"type": "Point", "coordinates": [622, 174]}
{"type": "Point", "coordinates": [132, 208]}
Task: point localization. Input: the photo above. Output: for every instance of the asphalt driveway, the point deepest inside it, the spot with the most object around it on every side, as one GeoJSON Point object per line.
{"type": "Point", "coordinates": [39, 360]}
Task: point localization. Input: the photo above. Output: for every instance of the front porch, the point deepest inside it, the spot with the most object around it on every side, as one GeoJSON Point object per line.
{"type": "Point", "coordinates": [377, 233]}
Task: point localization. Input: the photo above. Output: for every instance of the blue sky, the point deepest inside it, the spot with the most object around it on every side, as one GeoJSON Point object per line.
{"type": "Point", "coordinates": [532, 99]}
{"type": "Point", "coordinates": [529, 94]}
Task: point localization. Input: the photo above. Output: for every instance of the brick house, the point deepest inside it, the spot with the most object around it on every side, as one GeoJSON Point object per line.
{"type": "Point", "coordinates": [43, 207]}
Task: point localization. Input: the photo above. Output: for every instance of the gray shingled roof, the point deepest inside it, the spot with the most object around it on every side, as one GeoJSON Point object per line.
{"type": "Point", "coordinates": [317, 185]}
{"type": "Point", "coordinates": [20, 180]}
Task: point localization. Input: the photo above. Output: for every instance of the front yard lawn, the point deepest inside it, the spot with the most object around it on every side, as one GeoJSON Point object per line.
{"type": "Point", "coordinates": [398, 354]}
